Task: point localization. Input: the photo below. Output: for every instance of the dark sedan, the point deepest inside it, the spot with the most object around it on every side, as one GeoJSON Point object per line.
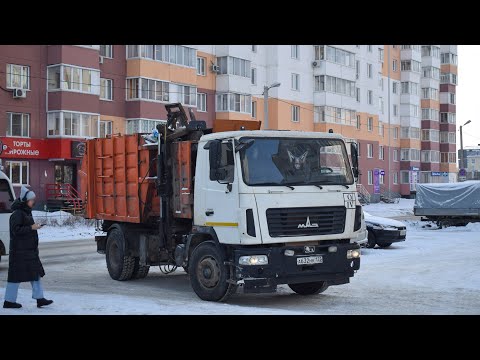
{"type": "Point", "coordinates": [383, 231]}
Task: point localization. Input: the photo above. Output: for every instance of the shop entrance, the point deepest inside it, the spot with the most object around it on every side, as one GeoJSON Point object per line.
{"type": "Point", "coordinates": [66, 173]}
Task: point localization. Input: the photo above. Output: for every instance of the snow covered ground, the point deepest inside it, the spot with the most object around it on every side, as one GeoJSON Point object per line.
{"type": "Point", "coordinates": [61, 225]}
{"type": "Point", "coordinates": [403, 208]}
{"type": "Point", "coordinates": [435, 271]}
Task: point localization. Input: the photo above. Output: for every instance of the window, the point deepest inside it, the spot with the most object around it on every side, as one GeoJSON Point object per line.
{"type": "Point", "coordinates": [201, 101]}
{"type": "Point", "coordinates": [380, 80]}
{"type": "Point", "coordinates": [448, 58]}
{"type": "Point", "coordinates": [187, 95]}
{"type": "Point", "coordinates": [106, 89]}
{"type": "Point", "coordinates": [234, 66]}
{"type": "Point", "coordinates": [18, 77]}
{"type": "Point", "coordinates": [358, 122]}
{"type": "Point", "coordinates": [370, 151]}
{"type": "Point", "coordinates": [410, 133]}
{"type": "Point", "coordinates": [357, 69]}
{"type": "Point", "coordinates": [339, 56]}
{"type": "Point", "coordinates": [66, 123]}
{"type": "Point", "coordinates": [106, 51]}
{"type": "Point", "coordinates": [381, 178]}
{"type": "Point", "coordinates": [380, 129]}
{"type": "Point", "coordinates": [358, 147]}
{"type": "Point", "coordinates": [394, 87]}
{"type": "Point", "coordinates": [254, 109]}
{"type": "Point", "coordinates": [295, 82]}
{"type": "Point", "coordinates": [448, 118]}
{"type": "Point", "coordinates": [409, 154]}
{"type": "Point", "coordinates": [106, 128]}
{"type": "Point", "coordinates": [411, 65]}
{"type": "Point", "coordinates": [333, 114]}
{"type": "Point", "coordinates": [452, 158]}
{"type": "Point", "coordinates": [370, 124]}
{"type": "Point", "coordinates": [201, 66]}
{"type": "Point", "coordinates": [430, 93]}
{"type": "Point", "coordinates": [234, 102]}
{"type": "Point", "coordinates": [409, 88]}
{"type": "Point", "coordinates": [395, 65]}
{"type": "Point", "coordinates": [431, 50]}
{"type": "Point", "coordinates": [18, 172]}
{"type": "Point", "coordinates": [431, 72]}
{"type": "Point", "coordinates": [148, 89]}
{"type": "Point", "coordinates": [370, 97]}
{"type": "Point", "coordinates": [395, 155]}
{"type": "Point", "coordinates": [174, 54]}
{"type": "Point", "coordinates": [295, 51]}
{"type": "Point", "coordinates": [357, 94]}
{"type": "Point", "coordinates": [369, 48]}
{"type": "Point", "coordinates": [227, 163]}
{"type": "Point", "coordinates": [295, 113]}
{"type": "Point", "coordinates": [395, 177]}
{"type": "Point", "coordinates": [395, 132]}
{"type": "Point", "coordinates": [18, 124]}
{"type": "Point", "coordinates": [369, 71]}
{"type": "Point", "coordinates": [142, 125]}
{"type": "Point", "coordinates": [451, 98]}
{"type": "Point", "coordinates": [430, 156]}
{"type": "Point", "coordinates": [370, 177]}
{"type": "Point", "coordinates": [335, 85]}
{"type": "Point", "coordinates": [380, 55]}
{"type": "Point", "coordinates": [254, 76]}
{"type": "Point", "coordinates": [381, 154]}
{"type": "Point", "coordinates": [395, 110]}
{"type": "Point", "coordinates": [404, 177]}
{"type": "Point", "coordinates": [73, 78]}
{"type": "Point", "coordinates": [448, 78]}
{"type": "Point", "coordinates": [430, 135]}
{"type": "Point", "coordinates": [381, 104]}
{"type": "Point", "coordinates": [254, 48]}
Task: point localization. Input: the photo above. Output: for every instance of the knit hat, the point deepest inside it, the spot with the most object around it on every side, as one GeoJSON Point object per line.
{"type": "Point", "coordinates": [26, 194]}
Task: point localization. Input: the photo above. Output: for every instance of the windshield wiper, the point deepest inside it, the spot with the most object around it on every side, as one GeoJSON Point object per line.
{"type": "Point", "coordinates": [289, 186]}
{"type": "Point", "coordinates": [273, 184]}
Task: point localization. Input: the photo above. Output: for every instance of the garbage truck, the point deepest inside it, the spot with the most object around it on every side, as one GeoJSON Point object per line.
{"type": "Point", "coordinates": [239, 208]}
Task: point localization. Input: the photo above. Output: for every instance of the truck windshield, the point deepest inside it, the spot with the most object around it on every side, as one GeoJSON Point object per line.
{"type": "Point", "coordinates": [295, 161]}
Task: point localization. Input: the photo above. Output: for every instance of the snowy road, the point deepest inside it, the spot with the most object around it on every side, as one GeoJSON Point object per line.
{"type": "Point", "coordinates": [433, 272]}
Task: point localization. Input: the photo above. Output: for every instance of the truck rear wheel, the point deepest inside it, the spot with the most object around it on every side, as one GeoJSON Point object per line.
{"type": "Point", "coordinates": [310, 288]}
{"type": "Point", "coordinates": [208, 273]}
{"type": "Point", "coordinates": [120, 267]}
{"type": "Point", "coordinates": [140, 271]}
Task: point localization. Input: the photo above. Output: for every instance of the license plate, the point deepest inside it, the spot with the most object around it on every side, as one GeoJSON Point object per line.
{"type": "Point", "coordinates": [403, 232]}
{"type": "Point", "coordinates": [310, 260]}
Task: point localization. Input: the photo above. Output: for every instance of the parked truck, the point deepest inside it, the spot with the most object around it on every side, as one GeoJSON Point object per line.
{"type": "Point", "coordinates": [250, 208]}
{"type": "Point", "coordinates": [449, 203]}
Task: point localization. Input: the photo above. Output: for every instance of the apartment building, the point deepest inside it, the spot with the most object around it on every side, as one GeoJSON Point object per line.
{"type": "Point", "coordinates": [396, 101]}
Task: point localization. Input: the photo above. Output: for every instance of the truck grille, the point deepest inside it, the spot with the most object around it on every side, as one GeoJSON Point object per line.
{"type": "Point", "coordinates": [307, 221]}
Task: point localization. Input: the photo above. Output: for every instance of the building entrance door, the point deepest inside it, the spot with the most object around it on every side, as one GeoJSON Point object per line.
{"type": "Point", "coordinates": [66, 173]}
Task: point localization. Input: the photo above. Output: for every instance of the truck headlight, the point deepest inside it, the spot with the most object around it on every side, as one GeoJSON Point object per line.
{"type": "Point", "coordinates": [253, 260]}
{"type": "Point", "coordinates": [353, 254]}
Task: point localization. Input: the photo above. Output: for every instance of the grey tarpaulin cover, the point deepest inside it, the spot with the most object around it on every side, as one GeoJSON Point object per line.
{"type": "Point", "coordinates": [462, 195]}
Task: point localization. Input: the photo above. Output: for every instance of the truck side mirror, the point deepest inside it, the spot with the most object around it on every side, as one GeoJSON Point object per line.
{"type": "Point", "coordinates": [215, 155]}
{"type": "Point", "coordinates": [354, 154]}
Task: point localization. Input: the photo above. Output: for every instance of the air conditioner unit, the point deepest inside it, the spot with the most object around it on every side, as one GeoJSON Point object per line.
{"type": "Point", "coordinates": [314, 64]}
{"type": "Point", "coordinates": [215, 68]}
{"type": "Point", "coordinates": [100, 60]}
{"type": "Point", "coordinates": [19, 93]}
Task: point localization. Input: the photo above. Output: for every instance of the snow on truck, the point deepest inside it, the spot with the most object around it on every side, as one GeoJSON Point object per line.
{"type": "Point", "coordinates": [250, 208]}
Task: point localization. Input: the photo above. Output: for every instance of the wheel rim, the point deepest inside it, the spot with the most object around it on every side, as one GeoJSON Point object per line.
{"type": "Point", "coordinates": [114, 256]}
{"type": "Point", "coordinates": [208, 272]}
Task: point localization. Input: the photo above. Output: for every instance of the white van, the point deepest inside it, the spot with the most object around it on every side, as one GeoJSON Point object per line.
{"type": "Point", "coordinates": [7, 196]}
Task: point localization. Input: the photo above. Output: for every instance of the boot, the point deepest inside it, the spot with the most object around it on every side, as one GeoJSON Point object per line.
{"type": "Point", "coordinates": [43, 302]}
{"type": "Point", "coordinates": [11, 305]}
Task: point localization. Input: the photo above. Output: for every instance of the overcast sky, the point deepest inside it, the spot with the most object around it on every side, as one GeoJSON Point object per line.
{"type": "Point", "coordinates": [468, 94]}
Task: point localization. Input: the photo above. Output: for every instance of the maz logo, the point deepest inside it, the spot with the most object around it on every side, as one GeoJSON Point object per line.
{"type": "Point", "coordinates": [308, 224]}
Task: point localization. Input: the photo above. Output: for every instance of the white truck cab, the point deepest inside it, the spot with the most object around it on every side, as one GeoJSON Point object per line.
{"type": "Point", "coordinates": [7, 195]}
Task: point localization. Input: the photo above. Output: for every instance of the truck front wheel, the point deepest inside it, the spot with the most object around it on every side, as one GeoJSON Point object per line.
{"type": "Point", "coordinates": [120, 267]}
{"type": "Point", "coordinates": [310, 288]}
{"type": "Point", "coordinates": [208, 273]}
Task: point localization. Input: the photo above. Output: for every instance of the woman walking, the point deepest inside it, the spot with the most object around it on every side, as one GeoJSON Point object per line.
{"type": "Point", "coordinates": [24, 263]}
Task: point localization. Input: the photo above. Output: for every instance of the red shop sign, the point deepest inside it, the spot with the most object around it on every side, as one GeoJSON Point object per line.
{"type": "Point", "coordinates": [22, 148]}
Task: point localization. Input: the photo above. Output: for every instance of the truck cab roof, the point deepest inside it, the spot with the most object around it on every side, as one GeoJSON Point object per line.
{"type": "Point", "coordinates": [270, 134]}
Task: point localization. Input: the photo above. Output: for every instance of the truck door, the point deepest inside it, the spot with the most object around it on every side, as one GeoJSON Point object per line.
{"type": "Point", "coordinates": [221, 197]}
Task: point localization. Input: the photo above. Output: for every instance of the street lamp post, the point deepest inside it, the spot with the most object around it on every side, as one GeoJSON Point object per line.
{"type": "Point", "coordinates": [462, 159]}
{"type": "Point", "coordinates": [265, 103]}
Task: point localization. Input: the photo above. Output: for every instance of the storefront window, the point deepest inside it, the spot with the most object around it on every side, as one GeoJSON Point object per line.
{"type": "Point", "coordinates": [18, 172]}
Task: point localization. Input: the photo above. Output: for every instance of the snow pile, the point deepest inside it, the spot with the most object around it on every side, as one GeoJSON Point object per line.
{"type": "Point", "coordinates": [61, 225]}
{"type": "Point", "coordinates": [404, 207]}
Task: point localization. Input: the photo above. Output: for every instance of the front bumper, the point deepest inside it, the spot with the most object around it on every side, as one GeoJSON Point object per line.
{"type": "Point", "coordinates": [388, 236]}
{"type": "Point", "coordinates": [336, 269]}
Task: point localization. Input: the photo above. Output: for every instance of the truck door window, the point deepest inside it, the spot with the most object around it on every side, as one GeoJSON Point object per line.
{"type": "Point", "coordinates": [227, 162]}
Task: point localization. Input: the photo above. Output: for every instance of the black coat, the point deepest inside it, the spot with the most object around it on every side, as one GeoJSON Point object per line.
{"type": "Point", "coordinates": [24, 263]}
